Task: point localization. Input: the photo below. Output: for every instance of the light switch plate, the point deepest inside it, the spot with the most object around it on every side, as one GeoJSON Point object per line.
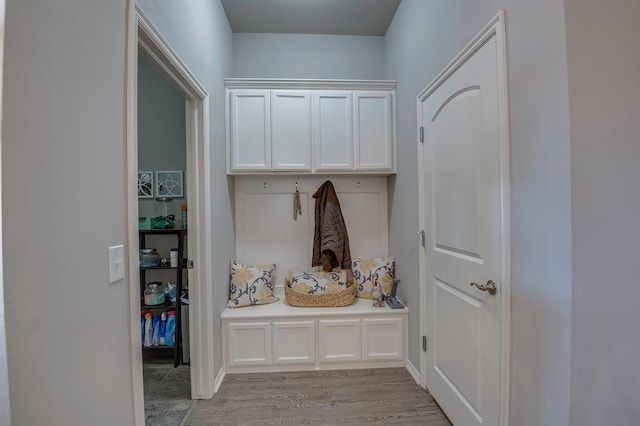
{"type": "Point", "coordinates": [116, 263]}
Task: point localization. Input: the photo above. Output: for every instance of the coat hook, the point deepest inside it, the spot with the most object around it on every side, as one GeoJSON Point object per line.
{"type": "Point", "coordinates": [265, 184]}
{"type": "Point", "coordinates": [296, 186]}
{"type": "Point", "coordinates": [358, 184]}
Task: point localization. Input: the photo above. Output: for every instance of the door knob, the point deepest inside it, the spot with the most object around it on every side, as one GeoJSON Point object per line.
{"type": "Point", "coordinates": [490, 286]}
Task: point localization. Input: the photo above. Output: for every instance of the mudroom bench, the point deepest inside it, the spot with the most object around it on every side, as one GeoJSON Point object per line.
{"type": "Point", "coordinates": [279, 337]}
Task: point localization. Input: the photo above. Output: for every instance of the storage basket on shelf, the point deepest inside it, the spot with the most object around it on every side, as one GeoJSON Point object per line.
{"type": "Point", "coordinates": [342, 298]}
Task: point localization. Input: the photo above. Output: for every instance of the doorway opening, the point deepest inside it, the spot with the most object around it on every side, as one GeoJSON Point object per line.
{"type": "Point", "coordinates": [144, 39]}
{"type": "Point", "coordinates": [163, 237]}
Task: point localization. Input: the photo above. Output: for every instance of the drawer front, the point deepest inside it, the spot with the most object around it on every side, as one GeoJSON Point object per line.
{"type": "Point", "coordinates": [339, 341]}
{"type": "Point", "coordinates": [249, 344]}
{"type": "Point", "coordinates": [382, 339]}
{"type": "Point", "coordinates": [294, 342]}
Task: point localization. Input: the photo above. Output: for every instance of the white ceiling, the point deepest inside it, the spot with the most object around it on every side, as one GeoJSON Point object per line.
{"type": "Point", "coordinates": [348, 17]}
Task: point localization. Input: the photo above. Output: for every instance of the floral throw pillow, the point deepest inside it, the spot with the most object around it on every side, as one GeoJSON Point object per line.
{"type": "Point", "coordinates": [250, 285]}
{"type": "Point", "coordinates": [365, 271]}
{"type": "Point", "coordinates": [318, 282]}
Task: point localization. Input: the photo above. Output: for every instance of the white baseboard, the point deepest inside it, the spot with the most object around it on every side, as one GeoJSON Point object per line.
{"type": "Point", "coordinates": [218, 382]}
{"type": "Point", "coordinates": [414, 372]}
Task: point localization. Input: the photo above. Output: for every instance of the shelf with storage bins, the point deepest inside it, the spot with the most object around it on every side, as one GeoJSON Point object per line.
{"type": "Point", "coordinates": [178, 273]}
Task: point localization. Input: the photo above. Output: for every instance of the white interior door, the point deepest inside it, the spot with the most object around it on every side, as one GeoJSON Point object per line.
{"type": "Point", "coordinates": [463, 214]}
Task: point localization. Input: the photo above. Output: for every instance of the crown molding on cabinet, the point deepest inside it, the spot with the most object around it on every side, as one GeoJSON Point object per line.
{"type": "Point", "coordinates": [286, 83]}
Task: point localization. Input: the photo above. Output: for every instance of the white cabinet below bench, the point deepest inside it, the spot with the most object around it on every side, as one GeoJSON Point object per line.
{"type": "Point", "coordinates": [339, 340]}
{"type": "Point", "coordinates": [283, 338]}
{"type": "Point", "coordinates": [270, 342]}
{"type": "Point", "coordinates": [382, 339]}
{"type": "Point", "coordinates": [293, 342]}
{"type": "Point", "coordinates": [249, 343]}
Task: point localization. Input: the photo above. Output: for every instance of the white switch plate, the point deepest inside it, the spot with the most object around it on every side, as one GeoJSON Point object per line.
{"type": "Point", "coordinates": [116, 263]}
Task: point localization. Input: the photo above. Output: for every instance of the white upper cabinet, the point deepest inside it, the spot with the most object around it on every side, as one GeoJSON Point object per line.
{"type": "Point", "coordinates": [373, 130]}
{"type": "Point", "coordinates": [249, 130]}
{"type": "Point", "coordinates": [291, 133]}
{"type": "Point", "coordinates": [333, 130]}
{"type": "Point", "coordinates": [310, 126]}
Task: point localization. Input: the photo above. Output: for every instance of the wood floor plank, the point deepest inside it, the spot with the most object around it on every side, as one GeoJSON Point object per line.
{"type": "Point", "coordinates": [351, 397]}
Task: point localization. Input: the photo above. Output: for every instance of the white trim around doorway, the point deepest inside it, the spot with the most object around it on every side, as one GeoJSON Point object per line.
{"type": "Point", "coordinates": [143, 37]}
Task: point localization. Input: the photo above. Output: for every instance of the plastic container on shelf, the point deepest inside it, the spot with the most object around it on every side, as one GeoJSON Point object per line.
{"type": "Point", "coordinates": [170, 330]}
{"type": "Point", "coordinates": [148, 328]}
{"type": "Point", "coordinates": [183, 215]}
{"type": "Point", "coordinates": [170, 292]}
{"type": "Point", "coordinates": [154, 294]}
{"type": "Point", "coordinates": [164, 213]}
{"type": "Point", "coordinates": [142, 329]}
{"type": "Point", "coordinates": [144, 223]}
{"type": "Point", "coordinates": [149, 257]}
{"type": "Point", "coordinates": [163, 326]}
{"type": "Point", "coordinates": [173, 257]}
{"type": "Point", "coordinates": [155, 340]}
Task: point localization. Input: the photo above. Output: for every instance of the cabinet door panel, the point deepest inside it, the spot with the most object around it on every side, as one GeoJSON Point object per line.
{"type": "Point", "coordinates": [249, 344]}
{"type": "Point", "coordinates": [250, 130]}
{"type": "Point", "coordinates": [382, 339]}
{"type": "Point", "coordinates": [373, 130]}
{"type": "Point", "coordinates": [291, 130]}
{"type": "Point", "coordinates": [294, 342]}
{"type": "Point", "coordinates": [339, 340]}
{"type": "Point", "coordinates": [333, 124]}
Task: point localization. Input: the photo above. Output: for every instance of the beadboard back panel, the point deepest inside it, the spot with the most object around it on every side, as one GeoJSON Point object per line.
{"type": "Point", "coordinates": [266, 231]}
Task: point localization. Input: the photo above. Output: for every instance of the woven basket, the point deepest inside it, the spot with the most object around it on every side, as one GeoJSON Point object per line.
{"type": "Point", "coordinates": [342, 298]}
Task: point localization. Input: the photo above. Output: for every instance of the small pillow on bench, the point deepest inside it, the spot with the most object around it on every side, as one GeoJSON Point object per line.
{"type": "Point", "coordinates": [318, 282]}
{"type": "Point", "coordinates": [250, 285]}
{"type": "Point", "coordinates": [365, 271]}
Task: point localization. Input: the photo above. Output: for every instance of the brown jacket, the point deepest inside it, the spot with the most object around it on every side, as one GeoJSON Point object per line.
{"type": "Point", "coordinates": [330, 239]}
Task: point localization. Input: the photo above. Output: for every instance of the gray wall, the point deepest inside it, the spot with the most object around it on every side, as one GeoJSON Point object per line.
{"type": "Point", "coordinates": [423, 38]}
{"type": "Point", "coordinates": [68, 329]}
{"type": "Point", "coordinates": [604, 67]}
{"type": "Point", "coordinates": [307, 56]}
{"type": "Point", "coordinates": [200, 34]}
{"type": "Point", "coordinates": [161, 130]}
{"type": "Point", "coordinates": [63, 143]}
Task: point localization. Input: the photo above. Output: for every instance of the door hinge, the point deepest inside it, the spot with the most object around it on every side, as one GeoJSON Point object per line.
{"type": "Point", "coordinates": [423, 238]}
{"type": "Point", "coordinates": [190, 264]}
{"type": "Point", "coordinates": [424, 343]}
{"type": "Point", "coordinates": [422, 134]}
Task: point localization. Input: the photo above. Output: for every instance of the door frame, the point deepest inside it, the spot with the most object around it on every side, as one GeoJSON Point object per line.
{"type": "Point", "coordinates": [143, 37]}
{"type": "Point", "coordinates": [5, 404]}
{"type": "Point", "coordinates": [496, 27]}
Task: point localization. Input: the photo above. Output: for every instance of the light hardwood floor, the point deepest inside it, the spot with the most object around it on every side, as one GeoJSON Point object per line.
{"type": "Point", "coordinates": [356, 397]}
